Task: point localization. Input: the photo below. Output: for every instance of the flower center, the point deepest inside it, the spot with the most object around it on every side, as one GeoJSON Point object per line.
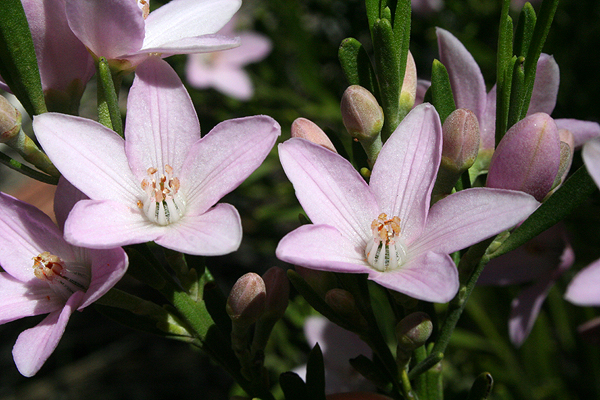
{"type": "Point", "coordinates": [144, 5]}
{"type": "Point", "coordinates": [163, 204]}
{"type": "Point", "coordinates": [385, 251]}
{"type": "Point", "coordinates": [63, 278]}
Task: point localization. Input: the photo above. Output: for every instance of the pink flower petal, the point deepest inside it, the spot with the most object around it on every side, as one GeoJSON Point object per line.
{"type": "Point", "coordinates": [254, 47]}
{"type": "Point", "coordinates": [162, 124]}
{"type": "Point", "coordinates": [233, 82]}
{"type": "Point", "coordinates": [187, 18]}
{"type": "Point", "coordinates": [191, 45]}
{"type": "Point", "coordinates": [108, 267]}
{"type": "Point", "coordinates": [582, 131]}
{"type": "Point", "coordinates": [70, 141]}
{"type": "Point", "coordinates": [545, 87]}
{"type": "Point", "coordinates": [224, 158]}
{"type": "Point", "coordinates": [406, 167]}
{"type": "Point", "coordinates": [109, 28]}
{"type": "Point", "coordinates": [583, 289]}
{"type": "Point", "coordinates": [487, 122]}
{"type": "Point", "coordinates": [468, 86]}
{"type": "Point", "coordinates": [218, 231]}
{"type": "Point", "coordinates": [64, 199]}
{"type": "Point", "coordinates": [35, 345]}
{"type": "Point", "coordinates": [105, 224]}
{"type": "Point", "coordinates": [329, 189]}
{"type": "Point", "coordinates": [430, 277]}
{"type": "Point", "coordinates": [24, 299]}
{"type": "Point", "coordinates": [470, 216]}
{"type": "Point", "coordinates": [591, 158]}
{"type": "Point", "coordinates": [322, 247]}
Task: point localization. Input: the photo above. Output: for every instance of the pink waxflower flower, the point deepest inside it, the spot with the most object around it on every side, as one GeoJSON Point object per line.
{"type": "Point", "coordinates": [224, 70]}
{"type": "Point", "coordinates": [583, 289]}
{"type": "Point", "coordinates": [125, 29]}
{"type": "Point", "coordinates": [161, 183]}
{"type": "Point", "coordinates": [469, 91]}
{"type": "Point", "coordinates": [46, 275]}
{"type": "Point", "coordinates": [386, 228]}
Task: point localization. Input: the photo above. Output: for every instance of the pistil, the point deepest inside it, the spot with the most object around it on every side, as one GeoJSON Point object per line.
{"type": "Point", "coordinates": [63, 278]}
{"type": "Point", "coordinates": [385, 251]}
{"type": "Point", "coordinates": [163, 203]}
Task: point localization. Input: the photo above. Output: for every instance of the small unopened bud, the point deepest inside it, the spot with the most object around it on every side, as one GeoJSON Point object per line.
{"type": "Point", "coordinates": [412, 332]}
{"type": "Point", "coordinates": [408, 94]}
{"type": "Point", "coordinates": [567, 151]}
{"type": "Point", "coordinates": [306, 129]}
{"type": "Point", "coordinates": [528, 157]}
{"type": "Point", "coordinates": [361, 113]}
{"type": "Point", "coordinates": [247, 299]}
{"type": "Point", "coordinates": [320, 281]}
{"type": "Point", "coordinates": [343, 303]}
{"type": "Point", "coordinates": [10, 120]}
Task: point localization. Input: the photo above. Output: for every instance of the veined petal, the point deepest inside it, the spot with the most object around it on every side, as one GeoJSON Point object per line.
{"type": "Point", "coordinates": [322, 247]}
{"type": "Point", "coordinates": [583, 289]}
{"type": "Point", "coordinates": [545, 86]}
{"type": "Point", "coordinates": [25, 232]}
{"type": "Point", "coordinates": [105, 224]}
{"type": "Point", "coordinates": [109, 28]}
{"type": "Point", "coordinates": [582, 131]}
{"type": "Point", "coordinates": [487, 122]}
{"type": "Point", "coordinates": [65, 197]}
{"type": "Point", "coordinates": [180, 19]}
{"type": "Point", "coordinates": [101, 175]}
{"type": "Point", "coordinates": [162, 124]}
{"type": "Point", "coordinates": [430, 277]}
{"type": "Point", "coordinates": [468, 86]}
{"type": "Point", "coordinates": [470, 216]}
{"type": "Point", "coordinates": [108, 267]}
{"type": "Point", "coordinates": [329, 189]}
{"type": "Point", "coordinates": [24, 299]}
{"type": "Point", "coordinates": [591, 158]}
{"type": "Point", "coordinates": [192, 45]}
{"type": "Point", "coordinates": [233, 82]}
{"type": "Point", "coordinates": [224, 158]}
{"type": "Point", "coordinates": [215, 232]}
{"type": "Point", "coordinates": [254, 47]}
{"type": "Point", "coordinates": [405, 170]}
{"type": "Point", "coordinates": [35, 345]}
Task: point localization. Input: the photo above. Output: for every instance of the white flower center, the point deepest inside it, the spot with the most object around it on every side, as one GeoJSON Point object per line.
{"type": "Point", "coordinates": [63, 278]}
{"type": "Point", "coordinates": [385, 250]}
{"type": "Point", "coordinates": [144, 5]}
{"type": "Point", "coordinates": [163, 204]}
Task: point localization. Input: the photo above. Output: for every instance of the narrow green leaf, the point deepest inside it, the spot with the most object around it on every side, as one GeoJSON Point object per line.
{"type": "Point", "coordinates": [27, 171]}
{"type": "Point", "coordinates": [441, 92]}
{"type": "Point", "coordinates": [109, 113]}
{"type": "Point", "coordinates": [315, 374]}
{"type": "Point", "coordinates": [372, 7]}
{"type": "Point", "coordinates": [18, 63]}
{"type": "Point", "coordinates": [503, 101]}
{"type": "Point", "coordinates": [503, 61]}
{"type": "Point", "coordinates": [293, 386]}
{"type": "Point", "coordinates": [373, 372]}
{"type": "Point", "coordinates": [517, 93]}
{"type": "Point", "coordinates": [524, 30]}
{"type": "Point", "coordinates": [357, 66]}
{"type": "Point", "coordinates": [567, 198]}
{"type": "Point", "coordinates": [482, 387]}
{"type": "Point", "coordinates": [540, 33]}
{"type": "Point", "coordinates": [401, 26]}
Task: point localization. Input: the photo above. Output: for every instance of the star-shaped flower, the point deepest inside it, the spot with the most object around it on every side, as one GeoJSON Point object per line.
{"type": "Point", "coordinates": [162, 182]}
{"type": "Point", "coordinates": [46, 275]}
{"type": "Point", "coordinates": [386, 228]}
{"type": "Point", "coordinates": [126, 30]}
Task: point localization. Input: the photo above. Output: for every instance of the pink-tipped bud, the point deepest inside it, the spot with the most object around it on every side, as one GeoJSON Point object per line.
{"type": "Point", "coordinates": [528, 157]}
{"type": "Point", "coordinates": [306, 129]}
{"type": "Point", "coordinates": [246, 302]}
{"type": "Point", "coordinates": [278, 292]}
{"type": "Point", "coordinates": [460, 140]}
{"type": "Point", "coordinates": [10, 121]}
{"type": "Point", "coordinates": [361, 113]}
{"type": "Point", "coordinates": [411, 332]}
{"type": "Point", "coordinates": [408, 94]}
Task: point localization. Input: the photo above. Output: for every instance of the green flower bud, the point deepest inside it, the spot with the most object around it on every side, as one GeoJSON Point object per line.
{"type": "Point", "coordinates": [246, 302]}
{"type": "Point", "coordinates": [412, 332]}
{"type": "Point", "coordinates": [10, 121]}
{"type": "Point", "coordinates": [361, 114]}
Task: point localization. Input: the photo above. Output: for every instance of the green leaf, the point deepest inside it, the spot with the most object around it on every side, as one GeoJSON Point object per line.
{"type": "Point", "coordinates": [357, 66]}
{"type": "Point", "coordinates": [482, 387]}
{"type": "Point", "coordinates": [503, 63]}
{"type": "Point", "coordinates": [524, 30]}
{"type": "Point", "coordinates": [441, 92]}
{"type": "Point", "coordinates": [18, 63]}
{"type": "Point", "coordinates": [372, 13]}
{"type": "Point", "coordinates": [503, 100]}
{"type": "Point", "coordinates": [373, 372]}
{"type": "Point", "coordinates": [401, 27]}
{"type": "Point", "coordinates": [109, 114]}
{"type": "Point", "coordinates": [516, 93]}
{"type": "Point", "coordinates": [567, 198]}
{"type": "Point", "coordinates": [293, 386]}
{"type": "Point", "coordinates": [315, 374]}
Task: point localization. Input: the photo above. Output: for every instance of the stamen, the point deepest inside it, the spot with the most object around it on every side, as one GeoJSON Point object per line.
{"type": "Point", "coordinates": [63, 278]}
{"type": "Point", "coordinates": [144, 5]}
{"type": "Point", "coordinates": [163, 203]}
{"type": "Point", "coordinates": [385, 252]}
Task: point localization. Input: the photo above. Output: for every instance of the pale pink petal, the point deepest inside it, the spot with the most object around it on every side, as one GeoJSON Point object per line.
{"type": "Point", "coordinates": [468, 86]}
{"type": "Point", "coordinates": [216, 232]}
{"type": "Point", "coordinates": [233, 82]}
{"type": "Point", "coordinates": [583, 289]}
{"type": "Point", "coordinates": [487, 122]}
{"type": "Point", "coordinates": [198, 70]}
{"type": "Point", "coordinates": [430, 277]}
{"type": "Point", "coordinates": [104, 224]}
{"type": "Point", "coordinates": [254, 47]}
{"type": "Point", "coordinates": [162, 124]}
{"type": "Point", "coordinates": [422, 87]}
{"type": "Point", "coordinates": [329, 189]}
{"type": "Point", "coordinates": [70, 141]}
{"type": "Point", "coordinates": [591, 158]}
{"type": "Point", "coordinates": [324, 248]}
{"type": "Point", "coordinates": [24, 299]}
{"type": "Point", "coordinates": [108, 267]}
{"type": "Point", "coordinates": [545, 87]}
{"type": "Point", "coordinates": [109, 28]}
{"type": "Point", "coordinates": [180, 19]}
{"type": "Point", "coordinates": [406, 167]}
{"type": "Point", "coordinates": [582, 131]}
{"type": "Point", "coordinates": [224, 158]}
{"type": "Point", "coordinates": [35, 345]}
{"type": "Point", "coordinates": [470, 216]}
{"type": "Point", "coordinates": [25, 232]}
{"type": "Point", "coordinates": [192, 45]}
{"type": "Point", "coordinates": [65, 197]}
